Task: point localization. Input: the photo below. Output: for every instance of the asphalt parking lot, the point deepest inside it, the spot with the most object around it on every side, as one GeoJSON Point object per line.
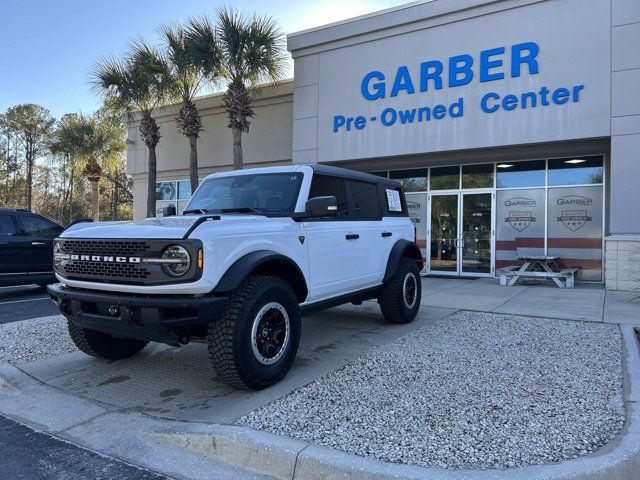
{"type": "Point", "coordinates": [26, 454]}
{"type": "Point", "coordinates": [23, 303]}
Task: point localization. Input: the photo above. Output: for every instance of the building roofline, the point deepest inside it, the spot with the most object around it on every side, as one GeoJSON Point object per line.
{"type": "Point", "coordinates": [357, 18]}
{"type": "Point", "coordinates": [422, 12]}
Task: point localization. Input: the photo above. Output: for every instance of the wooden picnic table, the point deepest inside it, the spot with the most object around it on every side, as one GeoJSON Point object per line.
{"type": "Point", "coordinates": [538, 266]}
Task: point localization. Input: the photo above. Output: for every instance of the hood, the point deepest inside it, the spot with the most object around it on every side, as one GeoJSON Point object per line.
{"type": "Point", "coordinates": [157, 228]}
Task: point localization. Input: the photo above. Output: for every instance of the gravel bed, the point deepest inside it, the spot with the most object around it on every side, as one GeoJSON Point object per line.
{"type": "Point", "coordinates": [473, 390]}
{"type": "Point", "coordinates": [29, 340]}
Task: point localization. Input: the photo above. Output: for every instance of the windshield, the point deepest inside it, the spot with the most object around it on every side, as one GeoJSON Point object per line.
{"type": "Point", "coordinates": [264, 193]}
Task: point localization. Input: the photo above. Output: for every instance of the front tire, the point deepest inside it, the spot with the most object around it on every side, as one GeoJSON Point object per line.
{"type": "Point", "coordinates": [102, 345]}
{"type": "Point", "coordinates": [400, 296]}
{"type": "Point", "coordinates": [254, 342]}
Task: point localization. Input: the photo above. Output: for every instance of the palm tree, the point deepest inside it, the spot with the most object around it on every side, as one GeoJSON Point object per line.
{"type": "Point", "coordinates": [250, 52]}
{"type": "Point", "coordinates": [185, 80]}
{"type": "Point", "coordinates": [137, 83]}
{"type": "Point", "coordinates": [97, 143]}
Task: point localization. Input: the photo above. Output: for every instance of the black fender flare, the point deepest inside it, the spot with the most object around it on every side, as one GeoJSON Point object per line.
{"type": "Point", "coordinates": [402, 248]}
{"type": "Point", "coordinates": [238, 271]}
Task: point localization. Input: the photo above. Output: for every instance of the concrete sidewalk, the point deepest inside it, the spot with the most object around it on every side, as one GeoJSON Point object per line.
{"type": "Point", "coordinates": [587, 302]}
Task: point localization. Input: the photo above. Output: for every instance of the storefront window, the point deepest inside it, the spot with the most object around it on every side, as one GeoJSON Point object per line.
{"type": "Point", "coordinates": [575, 171]}
{"type": "Point", "coordinates": [520, 174]}
{"type": "Point", "coordinates": [184, 190]}
{"type": "Point", "coordinates": [519, 225]}
{"type": "Point", "coordinates": [166, 190]}
{"type": "Point", "coordinates": [412, 180]}
{"type": "Point", "coordinates": [477, 176]}
{"type": "Point", "coordinates": [445, 178]}
{"type": "Point", "coordinates": [575, 229]}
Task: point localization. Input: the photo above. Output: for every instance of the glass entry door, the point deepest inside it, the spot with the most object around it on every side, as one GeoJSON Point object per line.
{"type": "Point", "coordinates": [460, 232]}
{"type": "Point", "coordinates": [476, 233]}
{"type": "Point", "coordinates": [444, 234]}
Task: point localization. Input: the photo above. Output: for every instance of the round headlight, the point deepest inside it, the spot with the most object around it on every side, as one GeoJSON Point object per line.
{"type": "Point", "coordinates": [177, 260]}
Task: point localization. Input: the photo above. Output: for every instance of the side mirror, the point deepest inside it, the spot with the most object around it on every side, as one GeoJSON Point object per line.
{"type": "Point", "coordinates": [321, 207]}
{"type": "Point", "coordinates": [169, 211]}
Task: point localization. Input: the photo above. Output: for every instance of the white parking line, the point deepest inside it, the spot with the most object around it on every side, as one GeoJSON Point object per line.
{"type": "Point", "coordinates": [26, 300]}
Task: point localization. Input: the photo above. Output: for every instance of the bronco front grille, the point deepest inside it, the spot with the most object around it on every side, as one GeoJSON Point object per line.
{"type": "Point", "coordinates": [106, 271]}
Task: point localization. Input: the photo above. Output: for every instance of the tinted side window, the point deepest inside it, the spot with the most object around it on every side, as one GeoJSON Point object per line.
{"type": "Point", "coordinates": [6, 225]}
{"type": "Point", "coordinates": [323, 186]}
{"type": "Point", "coordinates": [33, 226]}
{"type": "Point", "coordinates": [394, 202]}
{"type": "Point", "coordinates": [366, 200]}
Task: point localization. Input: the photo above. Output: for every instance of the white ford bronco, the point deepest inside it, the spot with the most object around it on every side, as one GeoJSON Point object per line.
{"type": "Point", "coordinates": [253, 252]}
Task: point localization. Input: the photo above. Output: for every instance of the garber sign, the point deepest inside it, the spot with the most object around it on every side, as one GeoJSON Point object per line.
{"type": "Point", "coordinates": [456, 72]}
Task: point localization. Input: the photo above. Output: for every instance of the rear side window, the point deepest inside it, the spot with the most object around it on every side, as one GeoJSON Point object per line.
{"type": "Point", "coordinates": [7, 227]}
{"type": "Point", "coordinates": [366, 201]}
{"type": "Point", "coordinates": [325, 186]}
{"type": "Point", "coordinates": [33, 226]}
{"type": "Point", "coordinates": [394, 202]}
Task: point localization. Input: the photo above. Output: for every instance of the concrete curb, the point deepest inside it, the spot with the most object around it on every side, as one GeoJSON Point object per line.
{"type": "Point", "coordinates": [285, 458]}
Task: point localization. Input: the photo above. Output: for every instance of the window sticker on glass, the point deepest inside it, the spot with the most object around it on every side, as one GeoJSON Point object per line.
{"type": "Point", "coordinates": [393, 200]}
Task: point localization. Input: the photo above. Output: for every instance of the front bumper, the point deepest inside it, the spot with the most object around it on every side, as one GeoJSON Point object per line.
{"type": "Point", "coordinates": [160, 318]}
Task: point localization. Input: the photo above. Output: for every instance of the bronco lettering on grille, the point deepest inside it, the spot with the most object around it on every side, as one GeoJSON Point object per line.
{"type": "Point", "coordinates": [105, 258]}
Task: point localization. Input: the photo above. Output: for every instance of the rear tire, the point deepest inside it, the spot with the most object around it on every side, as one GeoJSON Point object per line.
{"type": "Point", "coordinates": [254, 342]}
{"type": "Point", "coordinates": [102, 345]}
{"type": "Point", "coordinates": [400, 296]}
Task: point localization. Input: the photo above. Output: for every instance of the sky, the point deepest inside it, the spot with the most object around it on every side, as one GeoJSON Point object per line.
{"type": "Point", "coordinates": [50, 46]}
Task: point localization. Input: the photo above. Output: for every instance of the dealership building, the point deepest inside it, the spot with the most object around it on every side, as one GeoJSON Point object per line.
{"type": "Point", "coordinates": [514, 126]}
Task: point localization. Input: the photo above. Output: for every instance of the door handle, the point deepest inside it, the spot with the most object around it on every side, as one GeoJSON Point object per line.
{"type": "Point", "coordinates": [38, 244]}
{"type": "Point", "coordinates": [386, 234]}
{"type": "Point", "coordinates": [352, 236]}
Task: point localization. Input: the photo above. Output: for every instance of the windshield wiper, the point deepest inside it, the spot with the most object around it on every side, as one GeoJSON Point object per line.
{"type": "Point", "coordinates": [241, 210]}
{"type": "Point", "coordinates": [195, 210]}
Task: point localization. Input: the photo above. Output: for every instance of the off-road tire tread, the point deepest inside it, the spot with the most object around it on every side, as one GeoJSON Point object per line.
{"type": "Point", "coordinates": [221, 332]}
{"type": "Point", "coordinates": [392, 309]}
{"type": "Point", "coordinates": [101, 345]}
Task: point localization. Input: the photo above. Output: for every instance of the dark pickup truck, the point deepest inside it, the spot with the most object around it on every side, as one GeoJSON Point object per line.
{"type": "Point", "coordinates": [26, 247]}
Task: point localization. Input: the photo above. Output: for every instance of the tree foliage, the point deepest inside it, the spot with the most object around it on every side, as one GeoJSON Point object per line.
{"type": "Point", "coordinates": [185, 79]}
{"type": "Point", "coordinates": [31, 126]}
{"type": "Point", "coordinates": [137, 83]}
{"type": "Point", "coordinates": [94, 144]}
{"type": "Point", "coordinates": [59, 189]}
{"type": "Point", "coordinates": [241, 52]}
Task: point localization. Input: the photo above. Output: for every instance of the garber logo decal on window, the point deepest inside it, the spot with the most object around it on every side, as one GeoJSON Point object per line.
{"type": "Point", "coordinates": [574, 200]}
{"type": "Point", "coordinates": [520, 220]}
{"type": "Point", "coordinates": [520, 202]}
{"type": "Point", "coordinates": [574, 220]}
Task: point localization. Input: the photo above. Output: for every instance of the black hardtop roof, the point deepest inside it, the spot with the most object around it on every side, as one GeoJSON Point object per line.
{"type": "Point", "coordinates": [351, 174]}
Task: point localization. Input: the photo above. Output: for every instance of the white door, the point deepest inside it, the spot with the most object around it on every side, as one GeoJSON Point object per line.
{"type": "Point", "coordinates": [333, 266]}
{"type": "Point", "coordinates": [334, 261]}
